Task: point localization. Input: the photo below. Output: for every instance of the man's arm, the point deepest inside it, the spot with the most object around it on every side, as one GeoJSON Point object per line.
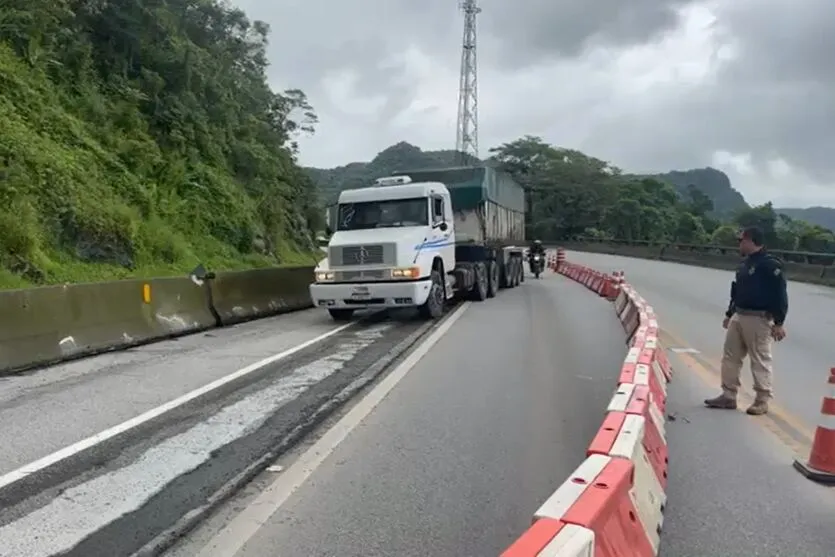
{"type": "Point", "coordinates": [779, 293]}
{"type": "Point", "coordinates": [732, 304]}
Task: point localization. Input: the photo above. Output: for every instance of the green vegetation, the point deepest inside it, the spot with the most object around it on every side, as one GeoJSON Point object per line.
{"type": "Point", "coordinates": [573, 194]}
{"type": "Point", "coordinates": [142, 138]}
{"type": "Point", "coordinates": [402, 156]}
{"type": "Point", "coordinates": [577, 195]}
{"type": "Point", "coordinates": [821, 216]}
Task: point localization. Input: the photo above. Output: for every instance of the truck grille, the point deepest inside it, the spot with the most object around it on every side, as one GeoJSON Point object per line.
{"type": "Point", "coordinates": [374, 254]}
{"type": "Point", "coordinates": [358, 276]}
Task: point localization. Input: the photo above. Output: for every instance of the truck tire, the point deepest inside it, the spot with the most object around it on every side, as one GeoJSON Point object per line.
{"type": "Point", "coordinates": [341, 314]}
{"type": "Point", "coordinates": [493, 278]}
{"type": "Point", "coordinates": [433, 307]}
{"type": "Point", "coordinates": [480, 288]}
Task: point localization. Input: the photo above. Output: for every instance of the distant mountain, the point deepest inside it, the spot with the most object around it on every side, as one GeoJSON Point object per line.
{"type": "Point", "coordinates": [402, 156]}
{"type": "Point", "coordinates": [405, 156]}
{"type": "Point", "coordinates": [713, 183]}
{"type": "Point", "coordinates": [822, 216]}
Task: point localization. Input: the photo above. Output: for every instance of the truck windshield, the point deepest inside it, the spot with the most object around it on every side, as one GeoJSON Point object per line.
{"type": "Point", "coordinates": [389, 213]}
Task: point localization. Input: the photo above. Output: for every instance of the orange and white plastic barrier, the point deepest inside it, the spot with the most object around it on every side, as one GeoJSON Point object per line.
{"type": "Point", "coordinates": [613, 504]}
{"type": "Point", "coordinates": [821, 464]}
{"type": "Point", "coordinates": [560, 259]}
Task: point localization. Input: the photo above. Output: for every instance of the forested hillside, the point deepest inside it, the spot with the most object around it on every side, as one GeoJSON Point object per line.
{"type": "Point", "coordinates": [713, 183]}
{"type": "Point", "coordinates": [822, 216]}
{"type": "Point", "coordinates": [140, 138]}
{"type": "Point", "coordinates": [402, 156]}
{"type": "Point", "coordinates": [573, 194]}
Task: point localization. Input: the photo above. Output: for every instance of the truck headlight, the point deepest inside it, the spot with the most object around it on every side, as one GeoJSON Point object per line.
{"type": "Point", "coordinates": [324, 276]}
{"type": "Point", "coordinates": [406, 273]}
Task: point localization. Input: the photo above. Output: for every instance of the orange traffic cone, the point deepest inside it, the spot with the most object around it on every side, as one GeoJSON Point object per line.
{"type": "Point", "coordinates": [821, 465]}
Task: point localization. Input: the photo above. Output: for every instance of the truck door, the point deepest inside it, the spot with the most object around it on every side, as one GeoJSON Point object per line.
{"type": "Point", "coordinates": [442, 230]}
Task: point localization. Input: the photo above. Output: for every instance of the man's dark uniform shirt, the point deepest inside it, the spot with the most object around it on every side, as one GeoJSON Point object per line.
{"type": "Point", "coordinates": [760, 286]}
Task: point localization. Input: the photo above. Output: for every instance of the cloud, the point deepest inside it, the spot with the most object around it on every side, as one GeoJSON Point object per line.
{"type": "Point", "coordinates": [651, 85]}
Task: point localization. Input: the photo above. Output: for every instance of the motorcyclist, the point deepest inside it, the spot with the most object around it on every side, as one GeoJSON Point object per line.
{"type": "Point", "coordinates": [536, 249]}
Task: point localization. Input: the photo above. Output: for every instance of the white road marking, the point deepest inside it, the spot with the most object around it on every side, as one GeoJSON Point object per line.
{"type": "Point", "coordinates": [684, 350]}
{"type": "Point", "coordinates": [92, 441]}
{"type": "Point", "coordinates": [245, 525]}
{"type": "Point", "coordinates": [82, 510]}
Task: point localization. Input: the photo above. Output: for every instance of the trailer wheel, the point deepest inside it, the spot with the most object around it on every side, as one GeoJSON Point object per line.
{"type": "Point", "coordinates": [341, 314]}
{"type": "Point", "coordinates": [493, 278]}
{"type": "Point", "coordinates": [479, 292]}
{"type": "Point", "coordinates": [433, 307]}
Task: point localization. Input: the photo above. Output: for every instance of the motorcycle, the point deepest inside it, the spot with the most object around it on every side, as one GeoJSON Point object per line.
{"type": "Point", "coordinates": [536, 265]}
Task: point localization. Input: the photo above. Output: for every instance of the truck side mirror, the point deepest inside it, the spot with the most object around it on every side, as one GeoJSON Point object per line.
{"type": "Point", "coordinates": [443, 226]}
{"type": "Point", "coordinates": [328, 231]}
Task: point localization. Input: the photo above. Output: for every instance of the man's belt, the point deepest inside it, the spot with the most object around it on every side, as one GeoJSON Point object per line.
{"type": "Point", "coordinates": [754, 312]}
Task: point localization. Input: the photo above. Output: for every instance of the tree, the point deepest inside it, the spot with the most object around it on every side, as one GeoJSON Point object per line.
{"type": "Point", "coordinates": [699, 204]}
{"type": "Point", "coordinates": [762, 216]}
{"type": "Point", "coordinates": [725, 235]}
{"type": "Point", "coordinates": [145, 137]}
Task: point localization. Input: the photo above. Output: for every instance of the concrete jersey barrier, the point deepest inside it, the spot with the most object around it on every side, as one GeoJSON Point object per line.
{"type": "Point", "coordinates": [613, 504]}
{"type": "Point", "coordinates": [41, 326]}
{"type": "Point", "coordinates": [238, 296]}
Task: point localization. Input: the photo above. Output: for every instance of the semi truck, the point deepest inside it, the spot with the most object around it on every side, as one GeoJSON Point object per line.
{"type": "Point", "coordinates": [421, 239]}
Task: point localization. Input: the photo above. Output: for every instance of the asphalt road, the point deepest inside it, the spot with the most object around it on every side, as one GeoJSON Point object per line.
{"type": "Point", "coordinates": [458, 455]}
{"type": "Point", "coordinates": [46, 410]}
{"type": "Point", "coordinates": [111, 499]}
{"type": "Point", "coordinates": [732, 488]}
{"type": "Point", "coordinates": [692, 302]}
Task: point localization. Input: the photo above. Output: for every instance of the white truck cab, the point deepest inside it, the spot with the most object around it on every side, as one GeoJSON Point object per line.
{"type": "Point", "coordinates": [392, 245]}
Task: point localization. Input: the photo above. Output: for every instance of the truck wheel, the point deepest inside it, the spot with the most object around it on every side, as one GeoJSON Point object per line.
{"type": "Point", "coordinates": [493, 278]}
{"type": "Point", "coordinates": [341, 314]}
{"type": "Point", "coordinates": [433, 307]}
{"type": "Point", "coordinates": [479, 292]}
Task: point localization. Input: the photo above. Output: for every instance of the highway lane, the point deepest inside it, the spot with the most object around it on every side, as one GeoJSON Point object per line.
{"type": "Point", "coordinates": [457, 456]}
{"type": "Point", "coordinates": [118, 493]}
{"type": "Point", "coordinates": [46, 410]}
{"type": "Point", "coordinates": [692, 301]}
{"type": "Point", "coordinates": [732, 489]}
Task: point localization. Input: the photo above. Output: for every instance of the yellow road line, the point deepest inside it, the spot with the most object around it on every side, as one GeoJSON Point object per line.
{"type": "Point", "coordinates": [789, 428]}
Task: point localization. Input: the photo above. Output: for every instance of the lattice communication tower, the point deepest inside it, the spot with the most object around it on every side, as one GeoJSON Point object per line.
{"type": "Point", "coordinates": [466, 140]}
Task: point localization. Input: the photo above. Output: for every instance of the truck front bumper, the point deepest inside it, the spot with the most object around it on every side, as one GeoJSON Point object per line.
{"type": "Point", "coordinates": [370, 295]}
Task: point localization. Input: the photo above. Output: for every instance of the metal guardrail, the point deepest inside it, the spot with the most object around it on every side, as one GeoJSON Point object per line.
{"type": "Point", "coordinates": [805, 257]}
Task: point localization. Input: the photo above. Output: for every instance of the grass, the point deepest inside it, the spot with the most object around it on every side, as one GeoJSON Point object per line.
{"type": "Point", "coordinates": [87, 195]}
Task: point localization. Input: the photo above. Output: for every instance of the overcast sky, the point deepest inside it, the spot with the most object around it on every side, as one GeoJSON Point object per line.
{"type": "Point", "coordinates": [747, 86]}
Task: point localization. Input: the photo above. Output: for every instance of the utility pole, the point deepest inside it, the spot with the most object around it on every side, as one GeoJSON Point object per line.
{"type": "Point", "coordinates": [466, 142]}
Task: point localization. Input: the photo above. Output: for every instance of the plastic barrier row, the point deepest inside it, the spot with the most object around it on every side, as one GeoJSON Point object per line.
{"type": "Point", "coordinates": [613, 503]}
{"type": "Point", "coordinates": [39, 326]}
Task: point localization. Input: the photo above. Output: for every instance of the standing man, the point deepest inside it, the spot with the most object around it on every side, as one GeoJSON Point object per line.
{"type": "Point", "coordinates": [755, 316]}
